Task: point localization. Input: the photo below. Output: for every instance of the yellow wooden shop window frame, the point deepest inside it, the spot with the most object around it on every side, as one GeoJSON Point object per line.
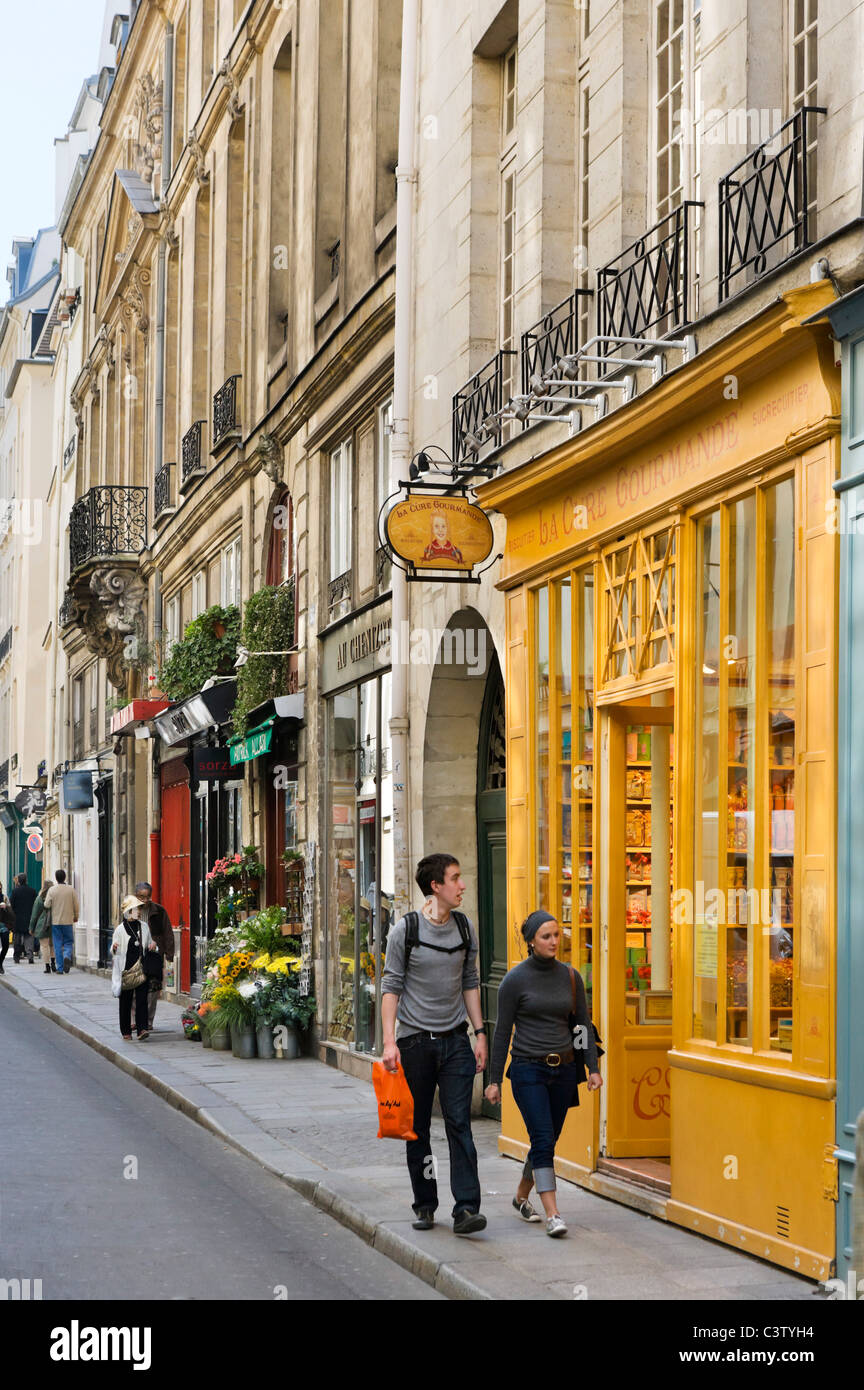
{"type": "Point", "coordinates": [758, 1052]}
{"type": "Point", "coordinates": [628, 603]}
{"type": "Point", "coordinates": [549, 584]}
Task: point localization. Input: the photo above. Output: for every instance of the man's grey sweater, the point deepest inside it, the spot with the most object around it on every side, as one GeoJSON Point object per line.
{"type": "Point", "coordinates": [430, 991]}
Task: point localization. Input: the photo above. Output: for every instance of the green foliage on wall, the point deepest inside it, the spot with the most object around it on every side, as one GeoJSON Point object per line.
{"type": "Point", "coordinates": [207, 648]}
{"type": "Point", "coordinates": [268, 626]}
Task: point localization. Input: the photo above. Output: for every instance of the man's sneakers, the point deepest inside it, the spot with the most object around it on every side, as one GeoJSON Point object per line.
{"type": "Point", "coordinates": [425, 1220]}
{"type": "Point", "coordinates": [525, 1210]}
{"type": "Point", "coordinates": [466, 1223]}
{"type": "Point", "coordinates": [555, 1227]}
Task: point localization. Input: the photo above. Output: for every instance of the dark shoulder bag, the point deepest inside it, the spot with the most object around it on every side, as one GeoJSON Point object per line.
{"type": "Point", "coordinates": [580, 1054]}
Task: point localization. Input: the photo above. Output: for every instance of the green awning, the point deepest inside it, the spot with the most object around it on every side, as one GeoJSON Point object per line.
{"type": "Point", "coordinates": [245, 747]}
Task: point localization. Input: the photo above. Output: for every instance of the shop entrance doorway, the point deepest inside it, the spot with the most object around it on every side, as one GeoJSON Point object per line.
{"type": "Point", "coordinates": [638, 940]}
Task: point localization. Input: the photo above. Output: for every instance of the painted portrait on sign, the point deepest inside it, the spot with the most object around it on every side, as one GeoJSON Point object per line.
{"type": "Point", "coordinates": [439, 533]}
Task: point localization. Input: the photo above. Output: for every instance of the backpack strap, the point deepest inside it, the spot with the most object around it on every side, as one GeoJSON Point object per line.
{"type": "Point", "coordinates": [412, 935]}
{"type": "Point", "coordinates": [464, 930]}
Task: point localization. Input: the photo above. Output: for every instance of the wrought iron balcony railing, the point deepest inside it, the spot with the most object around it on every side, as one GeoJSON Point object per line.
{"type": "Point", "coordinates": [225, 415]}
{"type": "Point", "coordinates": [107, 521]}
{"type": "Point", "coordinates": [383, 570]}
{"type": "Point", "coordinates": [162, 491]}
{"type": "Point", "coordinates": [339, 593]}
{"type": "Point", "coordinates": [4, 773]}
{"type": "Point", "coordinates": [765, 204]}
{"type": "Point", "coordinates": [554, 337]}
{"type": "Point", "coordinates": [192, 465]}
{"type": "Point", "coordinates": [5, 644]}
{"type": "Point", "coordinates": [477, 406]}
{"type": "Point", "coordinates": [647, 291]}
{"type": "Point", "coordinates": [67, 611]}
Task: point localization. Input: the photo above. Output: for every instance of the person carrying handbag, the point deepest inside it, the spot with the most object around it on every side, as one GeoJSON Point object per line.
{"type": "Point", "coordinates": [40, 928]}
{"type": "Point", "coordinates": [544, 1000]}
{"type": "Point", "coordinates": [129, 946]}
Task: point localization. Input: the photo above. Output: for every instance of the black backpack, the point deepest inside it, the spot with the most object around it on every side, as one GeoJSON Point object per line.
{"type": "Point", "coordinates": [412, 936]}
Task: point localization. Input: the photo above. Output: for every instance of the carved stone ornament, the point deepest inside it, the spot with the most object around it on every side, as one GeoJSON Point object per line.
{"type": "Point", "coordinates": [133, 227]}
{"type": "Point", "coordinates": [116, 612]}
{"type": "Point", "coordinates": [194, 146]}
{"type": "Point", "coordinates": [229, 81]}
{"type": "Point", "coordinates": [148, 107]}
{"type": "Point", "coordinates": [134, 300]}
{"type": "Point", "coordinates": [270, 452]}
{"type": "Point", "coordinates": [79, 424]}
{"type": "Point", "coordinates": [170, 234]}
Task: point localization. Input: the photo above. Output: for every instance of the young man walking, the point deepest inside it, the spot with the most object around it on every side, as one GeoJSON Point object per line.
{"type": "Point", "coordinates": [430, 987]}
{"type": "Point", "coordinates": [61, 900]}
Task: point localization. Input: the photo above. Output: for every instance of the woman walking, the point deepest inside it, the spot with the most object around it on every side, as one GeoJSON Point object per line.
{"type": "Point", "coordinates": [40, 928]}
{"type": "Point", "coordinates": [128, 981]}
{"type": "Point", "coordinates": [538, 997]}
{"type": "Point", "coordinates": [7, 922]}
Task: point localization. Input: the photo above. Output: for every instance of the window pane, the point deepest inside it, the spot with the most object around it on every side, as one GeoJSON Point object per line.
{"type": "Point", "coordinates": [367, 814]}
{"type": "Point", "coordinates": [780, 653]}
{"type": "Point", "coordinates": [738, 658]}
{"type": "Point", "coordinates": [342, 857]}
{"type": "Point", "coordinates": [584, 775]}
{"type": "Point", "coordinates": [563, 888]}
{"type": "Point", "coordinates": [706, 790]}
{"type": "Point", "coordinates": [541, 714]}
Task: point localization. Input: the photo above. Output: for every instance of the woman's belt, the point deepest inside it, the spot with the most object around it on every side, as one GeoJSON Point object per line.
{"type": "Point", "coordinates": [551, 1059]}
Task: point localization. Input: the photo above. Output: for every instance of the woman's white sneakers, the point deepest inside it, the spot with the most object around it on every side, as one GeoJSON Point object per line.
{"type": "Point", "coordinates": [525, 1210]}
{"type": "Point", "coordinates": [555, 1226]}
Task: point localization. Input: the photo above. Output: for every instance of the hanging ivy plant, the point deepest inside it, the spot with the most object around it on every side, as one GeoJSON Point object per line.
{"type": "Point", "coordinates": [268, 626]}
{"type": "Point", "coordinates": [207, 648]}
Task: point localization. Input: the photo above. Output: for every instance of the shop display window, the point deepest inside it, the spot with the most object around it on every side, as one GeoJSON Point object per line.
{"type": "Point", "coordinates": [744, 830]}
{"type": "Point", "coordinates": [649, 751]}
{"type": "Point", "coordinates": [360, 855]}
{"type": "Point", "coordinates": [564, 762]}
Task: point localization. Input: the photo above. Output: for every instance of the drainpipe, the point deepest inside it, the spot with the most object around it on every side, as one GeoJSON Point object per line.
{"type": "Point", "coordinates": [159, 445]}
{"type": "Point", "coordinates": [400, 454]}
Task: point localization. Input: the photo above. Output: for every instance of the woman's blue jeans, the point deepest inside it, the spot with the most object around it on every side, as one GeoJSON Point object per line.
{"type": "Point", "coordinates": [544, 1094]}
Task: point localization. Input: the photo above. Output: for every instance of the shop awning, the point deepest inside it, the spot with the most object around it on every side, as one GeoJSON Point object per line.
{"type": "Point", "coordinates": [208, 709]}
{"type": "Point", "coordinates": [245, 747]}
{"type": "Point", "coordinates": [125, 721]}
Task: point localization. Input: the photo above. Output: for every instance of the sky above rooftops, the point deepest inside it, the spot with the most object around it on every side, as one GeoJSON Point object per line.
{"type": "Point", "coordinates": [49, 47]}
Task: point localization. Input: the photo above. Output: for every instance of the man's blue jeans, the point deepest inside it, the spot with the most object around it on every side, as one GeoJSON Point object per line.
{"type": "Point", "coordinates": [64, 939]}
{"type": "Point", "coordinates": [544, 1094]}
{"type": "Point", "coordinates": [447, 1063]}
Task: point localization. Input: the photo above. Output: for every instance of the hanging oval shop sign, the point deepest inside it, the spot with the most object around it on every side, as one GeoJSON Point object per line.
{"type": "Point", "coordinates": [439, 533]}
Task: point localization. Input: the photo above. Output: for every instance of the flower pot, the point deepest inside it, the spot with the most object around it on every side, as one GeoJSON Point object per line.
{"type": "Point", "coordinates": [264, 1039]}
{"type": "Point", "coordinates": [243, 1041]}
{"type": "Point", "coordinates": [287, 1042]}
{"type": "Point", "coordinates": [205, 1037]}
{"type": "Point", "coordinates": [220, 1040]}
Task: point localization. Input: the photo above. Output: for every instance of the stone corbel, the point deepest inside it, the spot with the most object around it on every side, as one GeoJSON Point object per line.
{"type": "Point", "coordinates": [194, 146]}
{"type": "Point", "coordinates": [134, 302]}
{"type": "Point", "coordinates": [236, 107]}
{"type": "Point", "coordinates": [170, 234]}
{"type": "Point", "coordinates": [133, 227]}
{"type": "Point", "coordinates": [114, 612]}
{"type": "Point", "coordinates": [271, 456]}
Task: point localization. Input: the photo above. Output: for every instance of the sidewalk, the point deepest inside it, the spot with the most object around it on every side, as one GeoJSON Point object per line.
{"type": "Point", "coordinates": [315, 1128]}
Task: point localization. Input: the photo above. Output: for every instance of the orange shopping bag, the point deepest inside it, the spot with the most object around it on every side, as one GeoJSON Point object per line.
{"type": "Point", "coordinates": [395, 1103]}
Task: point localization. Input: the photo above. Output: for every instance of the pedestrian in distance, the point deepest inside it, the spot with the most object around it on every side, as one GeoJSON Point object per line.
{"type": "Point", "coordinates": [540, 997]}
{"type": "Point", "coordinates": [21, 901]}
{"type": "Point", "coordinates": [130, 943]}
{"type": "Point", "coordinates": [7, 924]}
{"type": "Point", "coordinates": [40, 928]}
{"type": "Point", "coordinates": [430, 988]}
{"type": "Point", "coordinates": [61, 901]}
{"type": "Point", "coordinates": [159, 922]}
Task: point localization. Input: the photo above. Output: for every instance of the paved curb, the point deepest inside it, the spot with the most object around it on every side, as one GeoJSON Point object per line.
{"type": "Point", "coordinates": [395, 1247]}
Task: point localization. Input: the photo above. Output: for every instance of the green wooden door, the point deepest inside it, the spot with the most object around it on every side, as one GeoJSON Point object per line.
{"type": "Point", "coordinates": [492, 903]}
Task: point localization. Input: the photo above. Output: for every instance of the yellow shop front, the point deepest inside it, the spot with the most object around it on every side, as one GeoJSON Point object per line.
{"type": "Point", "coordinates": [671, 589]}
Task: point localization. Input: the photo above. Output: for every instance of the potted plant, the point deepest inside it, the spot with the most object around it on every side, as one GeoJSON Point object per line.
{"type": "Point", "coordinates": [236, 1010]}
{"type": "Point", "coordinates": [218, 1030]}
{"type": "Point", "coordinates": [204, 1009]}
{"type": "Point", "coordinates": [297, 1012]}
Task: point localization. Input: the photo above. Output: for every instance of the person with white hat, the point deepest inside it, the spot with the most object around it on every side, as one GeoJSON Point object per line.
{"type": "Point", "coordinates": [128, 981]}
